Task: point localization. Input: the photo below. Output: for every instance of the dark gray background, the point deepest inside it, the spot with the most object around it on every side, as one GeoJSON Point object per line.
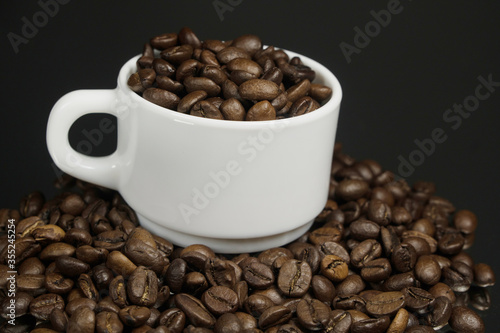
{"type": "Point", "coordinates": [396, 88]}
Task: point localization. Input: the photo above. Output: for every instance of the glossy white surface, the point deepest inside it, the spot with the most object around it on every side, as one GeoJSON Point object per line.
{"type": "Point", "coordinates": [234, 186]}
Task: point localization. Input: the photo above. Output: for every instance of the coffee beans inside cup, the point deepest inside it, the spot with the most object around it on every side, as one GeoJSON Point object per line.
{"type": "Point", "coordinates": [382, 256]}
{"type": "Point", "coordinates": [230, 80]}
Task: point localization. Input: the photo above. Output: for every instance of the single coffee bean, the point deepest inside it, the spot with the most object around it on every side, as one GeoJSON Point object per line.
{"type": "Point", "coordinates": [220, 300]}
{"type": "Point", "coordinates": [187, 68]}
{"type": "Point", "coordinates": [163, 68]}
{"type": "Point", "coordinates": [427, 270]}
{"type": "Point", "coordinates": [440, 313]}
{"type": "Point", "coordinates": [221, 272]}
{"type": "Point", "coordinates": [258, 90]}
{"type": "Point", "coordinates": [484, 276]}
{"type": "Point", "coordinates": [82, 321]}
{"type": "Point", "coordinates": [120, 264]}
{"type": "Point", "coordinates": [294, 278]}
{"type": "Point", "coordinates": [340, 321]}
{"type": "Point", "coordinates": [351, 189]}
{"type": "Point", "coordinates": [55, 250]}
{"type": "Point", "coordinates": [451, 243]}
{"type": "Point", "coordinates": [31, 265]}
{"type": "Point", "coordinates": [202, 83]}
{"type": "Point", "coordinates": [43, 305]}
{"type": "Point", "coordinates": [161, 97]}
{"type": "Point", "coordinates": [177, 54]}
{"type": "Point", "coordinates": [56, 283]}
{"type": "Point", "coordinates": [313, 314]}
{"type": "Point", "coordinates": [142, 287]}
{"type": "Point", "coordinates": [375, 325]}
{"type": "Point", "coordinates": [118, 291]}
{"type": "Point", "coordinates": [323, 289]}
{"type": "Point", "coordinates": [403, 257]}
{"type": "Point", "coordinates": [458, 276]}
{"type": "Point", "coordinates": [363, 229]}
{"type": "Point", "coordinates": [87, 286]}
{"type": "Point", "coordinates": [249, 43]}
{"type": "Point", "coordinates": [298, 91]}
{"type": "Point", "coordinates": [320, 92]}
{"type": "Point", "coordinates": [78, 237]}
{"type": "Point", "coordinates": [195, 311]}
{"type": "Point", "coordinates": [71, 267]}
{"type": "Point", "coordinates": [107, 321]}
{"type": "Point", "coordinates": [303, 105]}
{"type": "Point", "coordinates": [163, 41]}
{"type": "Point", "coordinates": [334, 268]}
{"type": "Point", "coordinates": [464, 319]}
{"type": "Point", "coordinates": [325, 234]}
{"type": "Point", "coordinates": [229, 53]}
{"type": "Point", "coordinates": [400, 322]}
{"type": "Point", "coordinates": [256, 304]}
{"type": "Point", "coordinates": [465, 221]}
{"type": "Point", "coordinates": [352, 285]}
{"type": "Point", "coordinates": [400, 281]}
{"type": "Point", "coordinates": [232, 109]}
{"type": "Point", "coordinates": [258, 275]}
{"type": "Point", "coordinates": [91, 255]}
{"type": "Point", "coordinates": [273, 316]}
{"type": "Point", "coordinates": [168, 84]}
{"type": "Point", "coordinates": [59, 320]}
{"type": "Point", "coordinates": [365, 252]}
{"type": "Point", "coordinates": [386, 303]}
{"type": "Point", "coordinates": [417, 299]}
{"type": "Point", "coordinates": [206, 109]}
{"type": "Point", "coordinates": [134, 315]}
{"type": "Point", "coordinates": [77, 303]}
{"type": "Point", "coordinates": [30, 283]}
{"type": "Point", "coordinates": [335, 248]}
{"type": "Point", "coordinates": [187, 36]}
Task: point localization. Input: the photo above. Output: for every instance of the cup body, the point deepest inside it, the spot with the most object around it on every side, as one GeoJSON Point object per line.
{"type": "Point", "coordinates": [235, 186]}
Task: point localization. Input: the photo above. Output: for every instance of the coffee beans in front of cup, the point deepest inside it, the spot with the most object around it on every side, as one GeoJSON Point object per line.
{"type": "Point", "coordinates": [228, 80]}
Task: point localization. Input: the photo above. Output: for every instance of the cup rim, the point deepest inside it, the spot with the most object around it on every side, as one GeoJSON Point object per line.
{"type": "Point", "coordinates": [324, 74]}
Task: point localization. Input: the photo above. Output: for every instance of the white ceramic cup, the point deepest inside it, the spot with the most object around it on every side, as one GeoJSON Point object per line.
{"type": "Point", "coordinates": [236, 186]}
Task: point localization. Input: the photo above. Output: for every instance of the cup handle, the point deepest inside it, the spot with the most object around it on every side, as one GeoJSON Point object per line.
{"type": "Point", "coordinates": [104, 171]}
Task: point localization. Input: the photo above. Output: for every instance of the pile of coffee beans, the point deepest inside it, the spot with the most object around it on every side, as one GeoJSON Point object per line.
{"type": "Point", "coordinates": [231, 80]}
{"type": "Point", "coordinates": [381, 257]}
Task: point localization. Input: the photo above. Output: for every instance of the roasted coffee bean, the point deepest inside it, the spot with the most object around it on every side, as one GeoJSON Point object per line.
{"type": "Point", "coordinates": [427, 270]}
{"type": "Point", "coordinates": [274, 315]}
{"type": "Point", "coordinates": [262, 110]}
{"type": "Point", "coordinates": [78, 237]}
{"type": "Point", "coordinates": [334, 268]}
{"type": "Point", "coordinates": [107, 321]}
{"type": "Point", "coordinates": [82, 321]}
{"type": "Point", "coordinates": [206, 109]}
{"type": "Point", "coordinates": [379, 212]}
{"type": "Point", "coordinates": [59, 320]}
{"type": "Point", "coordinates": [30, 283]}
{"type": "Point", "coordinates": [403, 257]}
{"type": "Point", "coordinates": [70, 266]}
{"type": "Point", "coordinates": [232, 109]}
{"type": "Point", "coordinates": [195, 311]}
{"type": "Point", "coordinates": [142, 287]}
{"type": "Point", "coordinates": [352, 285]}
{"type": "Point", "coordinates": [351, 189]}
{"type": "Point", "coordinates": [442, 289]}
{"type": "Point", "coordinates": [43, 305]}
{"type": "Point", "coordinates": [231, 52]}
{"type": "Point", "coordinates": [221, 273]}
{"type": "Point", "coordinates": [363, 229]}
{"type": "Point", "coordinates": [91, 255]}
{"type": "Point", "coordinates": [177, 54]}
{"type": "Point", "coordinates": [161, 97]}
{"type": "Point", "coordinates": [77, 303]}
{"type": "Point", "coordinates": [417, 299]}
{"type": "Point", "coordinates": [484, 276]}
{"type": "Point", "coordinates": [164, 41]}
{"type": "Point", "coordinates": [102, 276]}
{"type": "Point", "coordinates": [320, 92]}
{"type": "Point", "coordinates": [258, 275]}
{"type": "Point", "coordinates": [249, 43]}
{"type": "Point", "coordinates": [187, 68]}
{"type": "Point", "coordinates": [120, 264]}
{"type": "Point", "coordinates": [56, 283]}
{"type": "Point", "coordinates": [298, 91]}
{"type": "Point", "coordinates": [464, 319]}
{"type": "Point", "coordinates": [364, 252]}
{"type": "Point", "coordinates": [48, 234]}
{"type": "Point", "coordinates": [87, 286]}
{"type": "Point", "coordinates": [163, 68]}
{"type": "Point", "coordinates": [294, 278]}
{"type": "Point", "coordinates": [349, 302]}
{"type": "Point", "coordinates": [302, 106]}
{"type": "Point", "coordinates": [376, 270]}
{"type": "Point", "coordinates": [258, 90]}
{"type": "Point", "coordinates": [142, 254]}
{"type": "Point", "coordinates": [340, 321]}
{"type": "Point", "coordinates": [134, 315]}
{"type": "Point", "coordinates": [400, 322]}
{"type": "Point", "coordinates": [118, 291]}
{"type": "Point", "coordinates": [174, 87]}
{"type": "Point", "coordinates": [335, 248]}
{"type": "Point", "coordinates": [386, 303]}
{"type": "Point", "coordinates": [256, 304]}
{"type": "Point", "coordinates": [440, 312]}
{"type": "Point", "coordinates": [16, 306]}
{"type": "Point", "coordinates": [31, 265]}
{"type": "Point", "coordinates": [31, 204]}
{"type": "Point", "coordinates": [458, 276]}
{"type": "Point", "coordinates": [313, 314]}
{"type": "Point", "coordinates": [375, 325]}
{"type": "Point", "coordinates": [399, 281]}
{"type": "Point", "coordinates": [451, 243]}
{"type": "Point", "coordinates": [325, 234]}
{"type": "Point", "coordinates": [220, 300]}
{"type": "Point", "coordinates": [323, 289]}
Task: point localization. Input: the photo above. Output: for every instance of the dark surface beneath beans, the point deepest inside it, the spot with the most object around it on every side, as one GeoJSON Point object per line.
{"type": "Point", "coordinates": [179, 72]}
{"type": "Point", "coordinates": [382, 255]}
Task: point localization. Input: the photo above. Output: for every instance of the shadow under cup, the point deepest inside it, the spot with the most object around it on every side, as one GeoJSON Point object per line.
{"type": "Point", "coordinates": [235, 186]}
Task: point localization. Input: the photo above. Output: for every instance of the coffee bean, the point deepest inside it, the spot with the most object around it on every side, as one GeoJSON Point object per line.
{"type": "Point", "coordinates": [400, 281]}
{"type": "Point", "coordinates": [70, 266]}
{"type": "Point", "coordinates": [108, 322]}
{"type": "Point", "coordinates": [206, 109]}
{"type": "Point", "coordinates": [43, 305]}
{"type": "Point", "coordinates": [334, 268]}
{"type": "Point", "coordinates": [417, 299]}
{"type": "Point", "coordinates": [174, 87]}
{"type": "Point", "coordinates": [20, 302]}
{"type": "Point", "coordinates": [302, 106]}
{"type": "Point", "coordinates": [82, 321]}
{"type": "Point", "coordinates": [187, 36]}
{"type": "Point", "coordinates": [404, 257]}
{"type": "Point", "coordinates": [313, 314]}
{"type": "Point", "coordinates": [258, 275]}
{"type": "Point", "coordinates": [484, 276]}
{"type": "Point", "coordinates": [258, 89]}
{"type": "Point", "coordinates": [177, 54]}
{"type": "Point", "coordinates": [351, 189]}
{"type": "Point", "coordinates": [256, 304]}
{"type": "Point", "coordinates": [142, 287]}
{"type": "Point", "coordinates": [298, 91]}
{"type": "Point", "coordinates": [195, 310]}
{"type": "Point", "coordinates": [400, 322]}
{"type": "Point", "coordinates": [294, 278]}
{"type": "Point", "coordinates": [465, 320]}
{"type": "Point", "coordinates": [231, 52]}
{"type": "Point", "coordinates": [77, 303]}
{"type": "Point", "coordinates": [31, 265]}
{"type": "Point", "coordinates": [164, 41]}
{"type": "Point", "coordinates": [220, 300]}
{"type": "Point", "coordinates": [91, 255]}
{"type": "Point", "coordinates": [249, 43]}
{"type": "Point", "coordinates": [385, 304]}
{"type": "Point", "coordinates": [59, 320]}
{"type": "Point", "coordinates": [364, 252]}
{"type": "Point", "coordinates": [375, 325]}
{"type": "Point", "coordinates": [458, 276]}
{"type": "Point", "coordinates": [56, 283]}
{"type": "Point", "coordinates": [323, 289]}
{"type": "Point", "coordinates": [161, 97]}
{"type": "Point", "coordinates": [363, 229]}
{"type": "Point", "coordinates": [163, 68]}
{"type": "Point", "coordinates": [320, 92]}
{"type": "Point", "coordinates": [274, 315]}
{"type": "Point", "coordinates": [352, 285]}
{"type": "Point", "coordinates": [87, 286]}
